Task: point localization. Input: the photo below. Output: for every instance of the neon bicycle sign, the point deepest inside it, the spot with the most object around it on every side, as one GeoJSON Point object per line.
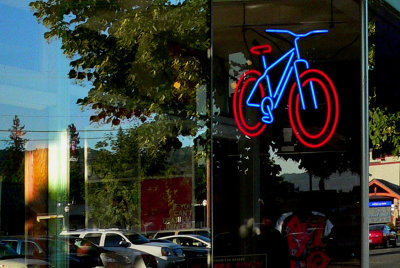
{"type": "Point", "coordinates": [312, 90]}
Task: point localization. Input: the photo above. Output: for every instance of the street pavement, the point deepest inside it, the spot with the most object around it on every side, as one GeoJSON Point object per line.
{"type": "Point", "coordinates": [384, 257]}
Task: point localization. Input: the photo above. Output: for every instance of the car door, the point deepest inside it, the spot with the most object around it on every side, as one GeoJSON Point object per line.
{"type": "Point", "coordinates": [30, 249]}
{"type": "Point", "coordinates": [187, 246]}
{"type": "Point", "coordinates": [112, 242]}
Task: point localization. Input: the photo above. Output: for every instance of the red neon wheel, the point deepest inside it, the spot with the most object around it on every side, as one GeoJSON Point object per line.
{"type": "Point", "coordinates": [314, 127]}
{"type": "Point", "coordinates": [248, 118]}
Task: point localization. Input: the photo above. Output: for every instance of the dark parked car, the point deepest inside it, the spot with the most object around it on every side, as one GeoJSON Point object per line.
{"type": "Point", "coordinates": [23, 246]}
{"type": "Point", "coordinates": [9, 258]}
{"type": "Point", "coordinates": [62, 251]}
{"type": "Point", "coordinates": [382, 235]}
{"type": "Point", "coordinates": [196, 248]}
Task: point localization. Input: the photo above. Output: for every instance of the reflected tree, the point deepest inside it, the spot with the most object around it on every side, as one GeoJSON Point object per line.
{"type": "Point", "coordinates": [76, 166]}
{"type": "Point", "coordinates": [12, 166]}
{"type": "Point", "coordinates": [143, 61]}
{"type": "Point", "coordinates": [119, 163]}
{"type": "Point", "coordinates": [114, 204]}
{"type": "Point", "coordinates": [384, 121]}
{"type": "Point", "coordinates": [321, 165]}
{"type": "Point", "coordinates": [141, 58]}
{"type": "Point", "coordinates": [274, 190]}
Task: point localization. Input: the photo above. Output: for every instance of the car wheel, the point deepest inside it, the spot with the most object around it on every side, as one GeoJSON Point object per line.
{"type": "Point", "coordinates": [149, 261]}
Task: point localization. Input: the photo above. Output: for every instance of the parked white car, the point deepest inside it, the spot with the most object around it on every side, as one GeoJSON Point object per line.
{"type": "Point", "coordinates": [197, 231]}
{"type": "Point", "coordinates": [131, 244]}
{"type": "Point", "coordinates": [190, 240]}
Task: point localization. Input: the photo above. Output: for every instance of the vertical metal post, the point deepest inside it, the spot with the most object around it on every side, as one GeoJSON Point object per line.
{"type": "Point", "coordinates": [364, 135]}
{"type": "Point", "coordinates": [85, 152]}
{"type": "Point", "coordinates": [210, 53]}
{"type": "Point", "coordinates": [208, 207]}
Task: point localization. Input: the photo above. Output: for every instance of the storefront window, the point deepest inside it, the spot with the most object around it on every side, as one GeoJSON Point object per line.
{"type": "Point", "coordinates": [384, 180]}
{"type": "Point", "coordinates": [192, 133]}
{"type": "Point", "coordinates": [104, 131]}
{"type": "Point", "coordinates": [286, 158]}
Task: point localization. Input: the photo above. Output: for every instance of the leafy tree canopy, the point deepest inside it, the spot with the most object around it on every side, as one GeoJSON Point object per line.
{"type": "Point", "coordinates": [118, 166]}
{"type": "Point", "coordinates": [384, 121]}
{"type": "Point", "coordinates": [140, 57]}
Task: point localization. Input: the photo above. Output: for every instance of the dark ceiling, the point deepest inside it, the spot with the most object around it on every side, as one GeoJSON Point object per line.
{"type": "Point", "coordinates": [240, 23]}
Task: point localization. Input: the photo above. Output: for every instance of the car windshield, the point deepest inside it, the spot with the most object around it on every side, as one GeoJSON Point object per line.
{"type": "Point", "coordinates": [204, 234]}
{"type": "Point", "coordinates": [137, 238]}
{"type": "Point", "coordinates": [202, 238]}
{"type": "Point", "coordinates": [7, 252]}
{"type": "Point", "coordinates": [376, 227]}
{"type": "Point", "coordinates": [205, 239]}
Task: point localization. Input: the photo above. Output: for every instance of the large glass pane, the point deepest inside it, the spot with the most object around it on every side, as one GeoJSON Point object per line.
{"type": "Point", "coordinates": [286, 133]}
{"type": "Point", "coordinates": [104, 126]}
{"type": "Point", "coordinates": [384, 179]}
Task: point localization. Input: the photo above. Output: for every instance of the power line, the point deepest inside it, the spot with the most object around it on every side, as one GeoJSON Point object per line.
{"type": "Point", "coordinates": [45, 116]}
{"type": "Point", "coordinates": [94, 138]}
{"type": "Point", "coordinates": [61, 131]}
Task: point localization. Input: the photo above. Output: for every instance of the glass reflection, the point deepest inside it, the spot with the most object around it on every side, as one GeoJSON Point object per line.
{"type": "Point", "coordinates": [279, 202]}
{"type": "Point", "coordinates": [383, 25]}
{"type": "Point", "coordinates": [105, 128]}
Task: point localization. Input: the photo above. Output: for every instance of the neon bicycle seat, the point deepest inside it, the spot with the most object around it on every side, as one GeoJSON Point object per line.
{"type": "Point", "coordinates": [262, 49]}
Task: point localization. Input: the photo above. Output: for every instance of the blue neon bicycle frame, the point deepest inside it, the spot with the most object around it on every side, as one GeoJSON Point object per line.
{"type": "Point", "coordinates": [291, 66]}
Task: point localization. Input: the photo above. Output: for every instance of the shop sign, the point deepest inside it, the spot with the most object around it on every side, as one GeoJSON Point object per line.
{"type": "Point", "coordinates": [172, 210]}
{"type": "Point", "coordinates": [379, 215]}
{"type": "Point", "coordinates": [252, 260]}
{"type": "Point", "coordinates": [380, 204]}
{"type": "Point", "coordinates": [254, 90]}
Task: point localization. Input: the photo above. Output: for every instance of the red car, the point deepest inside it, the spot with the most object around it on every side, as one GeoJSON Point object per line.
{"type": "Point", "coordinates": [382, 235]}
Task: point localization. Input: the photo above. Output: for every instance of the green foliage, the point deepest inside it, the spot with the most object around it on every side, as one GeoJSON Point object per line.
{"type": "Point", "coordinates": [76, 166]}
{"type": "Point", "coordinates": [12, 166]}
{"type": "Point", "coordinates": [141, 57]}
{"type": "Point", "coordinates": [132, 154]}
{"type": "Point", "coordinates": [118, 166]}
{"type": "Point", "coordinates": [120, 161]}
{"type": "Point", "coordinates": [143, 60]}
{"type": "Point", "coordinates": [391, 225]}
{"type": "Point", "coordinates": [17, 142]}
{"type": "Point", "coordinates": [384, 131]}
{"type": "Point", "coordinates": [371, 43]}
{"type": "Point", "coordinates": [384, 125]}
{"type": "Point", "coordinates": [113, 204]}
{"type": "Point", "coordinates": [77, 180]}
